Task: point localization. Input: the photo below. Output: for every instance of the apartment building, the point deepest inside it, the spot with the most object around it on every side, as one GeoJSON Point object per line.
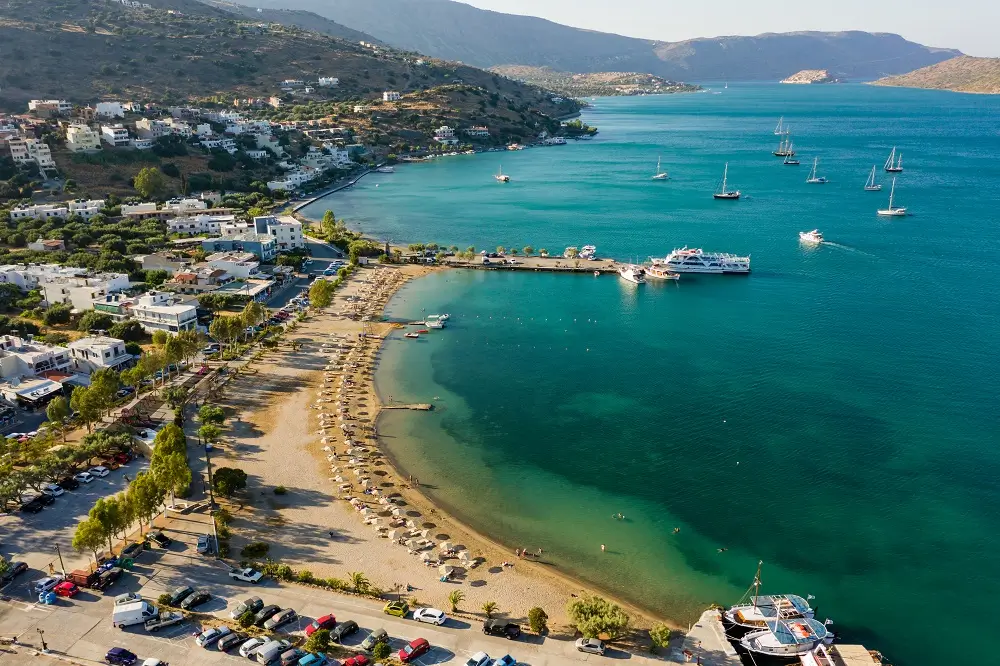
{"type": "Point", "coordinates": [26, 150]}
{"type": "Point", "coordinates": [115, 135]}
{"type": "Point", "coordinates": [82, 139]}
{"type": "Point", "coordinates": [80, 291]}
{"type": "Point", "coordinates": [90, 354]}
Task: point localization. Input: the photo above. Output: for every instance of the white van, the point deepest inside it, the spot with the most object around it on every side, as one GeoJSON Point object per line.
{"type": "Point", "coordinates": [136, 612]}
{"type": "Point", "coordinates": [271, 651]}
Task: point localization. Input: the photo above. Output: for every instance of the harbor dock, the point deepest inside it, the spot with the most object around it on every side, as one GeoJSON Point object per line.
{"type": "Point", "coordinates": [705, 643]}
{"type": "Point", "coordinates": [545, 264]}
{"type": "Point", "coordinates": [420, 407]}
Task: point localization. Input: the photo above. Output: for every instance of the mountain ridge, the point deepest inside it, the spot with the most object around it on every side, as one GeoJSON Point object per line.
{"type": "Point", "coordinates": [966, 74]}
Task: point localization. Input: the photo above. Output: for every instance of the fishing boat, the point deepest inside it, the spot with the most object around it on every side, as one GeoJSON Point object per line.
{"type": "Point", "coordinates": [789, 160]}
{"type": "Point", "coordinates": [786, 638]}
{"type": "Point", "coordinates": [660, 272]}
{"type": "Point", "coordinates": [813, 178]}
{"type": "Point", "coordinates": [660, 173]}
{"type": "Point", "coordinates": [724, 193]}
{"type": "Point", "coordinates": [780, 129]}
{"type": "Point", "coordinates": [412, 335]}
{"type": "Point", "coordinates": [892, 211]}
{"type": "Point", "coordinates": [784, 147]}
{"type": "Point", "coordinates": [501, 176]}
{"type": "Point", "coordinates": [632, 273]}
{"type": "Point", "coordinates": [813, 237]}
{"type": "Point", "coordinates": [754, 610]}
{"type": "Point", "coordinates": [892, 164]}
{"type": "Point", "coordinates": [870, 184]}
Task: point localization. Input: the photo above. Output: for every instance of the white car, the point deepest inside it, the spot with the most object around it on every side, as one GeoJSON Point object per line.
{"type": "Point", "coordinates": [210, 636]}
{"type": "Point", "coordinates": [430, 616]}
{"type": "Point", "coordinates": [247, 575]}
{"type": "Point", "coordinates": [153, 662]}
{"type": "Point", "coordinates": [46, 584]}
{"type": "Point", "coordinates": [52, 489]}
{"type": "Point", "coordinates": [478, 659]}
{"type": "Point", "coordinates": [98, 471]}
{"type": "Point", "coordinates": [127, 598]}
{"type": "Point", "coordinates": [250, 647]}
{"type": "Point", "coordinates": [84, 477]}
{"type": "Point", "coordinates": [591, 645]}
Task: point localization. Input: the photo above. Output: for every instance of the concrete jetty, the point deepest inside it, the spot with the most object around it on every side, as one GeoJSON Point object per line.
{"type": "Point", "coordinates": [705, 643]}
{"type": "Point", "coordinates": [420, 407]}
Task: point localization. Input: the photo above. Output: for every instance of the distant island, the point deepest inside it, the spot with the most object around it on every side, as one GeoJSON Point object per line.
{"type": "Point", "coordinates": [811, 76]}
{"type": "Point", "coordinates": [595, 84]}
{"type": "Point", "coordinates": [962, 74]}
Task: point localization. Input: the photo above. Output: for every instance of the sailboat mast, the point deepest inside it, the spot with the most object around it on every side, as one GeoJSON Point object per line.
{"type": "Point", "coordinates": [892, 193]}
{"type": "Point", "coordinates": [725, 174]}
{"type": "Point", "coordinates": [756, 584]}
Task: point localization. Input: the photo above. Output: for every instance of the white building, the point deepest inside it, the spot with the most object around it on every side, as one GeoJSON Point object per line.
{"type": "Point", "coordinates": [445, 135]}
{"type": "Point", "coordinates": [82, 138]}
{"type": "Point", "coordinates": [28, 276]}
{"type": "Point", "coordinates": [182, 206]}
{"type": "Point", "coordinates": [85, 209]}
{"type": "Point", "coordinates": [151, 129]}
{"type": "Point", "coordinates": [237, 264]}
{"type": "Point", "coordinates": [115, 135]}
{"type": "Point", "coordinates": [136, 209]}
{"type": "Point", "coordinates": [199, 224]}
{"type": "Point", "coordinates": [285, 230]}
{"type": "Point", "coordinates": [269, 142]}
{"type": "Point", "coordinates": [142, 144]}
{"type": "Point", "coordinates": [328, 82]}
{"type": "Point", "coordinates": [478, 131]}
{"type": "Point", "coordinates": [20, 357]}
{"type": "Point", "coordinates": [31, 150]}
{"type": "Point", "coordinates": [161, 311]}
{"type": "Point", "coordinates": [109, 110]}
{"type": "Point", "coordinates": [81, 291]}
{"type": "Point", "coordinates": [390, 96]}
{"type": "Point", "coordinates": [294, 179]}
{"type": "Point", "coordinates": [97, 353]}
{"type": "Point", "coordinates": [60, 106]}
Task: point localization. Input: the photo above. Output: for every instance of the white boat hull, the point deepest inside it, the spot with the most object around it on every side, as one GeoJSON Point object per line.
{"type": "Point", "coordinates": [893, 212]}
{"type": "Point", "coordinates": [712, 270]}
{"type": "Point", "coordinates": [661, 176]}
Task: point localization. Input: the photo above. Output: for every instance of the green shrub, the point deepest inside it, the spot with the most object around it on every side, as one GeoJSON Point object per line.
{"type": "Point", "coordinates": [381, 651]}
{"type": "Point", "coordinates": [246, 620]}
{"type": "Point", "coordinates": [593, 616]}
{"type": "Point", "coordinates": [538, 620]}
{"type": "Point", "coordinates": [280, 490]}
{"type": "Point", "coordinates": [223, 549]}
{"type": "Point", "coordinates": [163, 599]}
{"type": "Point", "coordinates": [660, 635]}
{"type": "Point", "coordinates": [304, 576]}
{"type": "Point", "coordinates": [284, 572]}
{"type": "Point", "coordinates": [319, 641]}
{"type": "Point", "coordinates": [255, 549]}
{"type": "Point", "coordinates": [336, 584]}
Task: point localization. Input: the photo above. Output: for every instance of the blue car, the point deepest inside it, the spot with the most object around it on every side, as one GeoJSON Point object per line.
{"type": "Point", "coordinates": [313, 659]}
{"type": "Point", "coordinates": [505, 660]}
{"type": "Point", "coordinates": [117, 655]}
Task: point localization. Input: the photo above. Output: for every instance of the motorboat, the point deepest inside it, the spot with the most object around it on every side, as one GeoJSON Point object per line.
{"type": "Point", "coordinates": [386, 169]}
{"type": "Point", "coordinates": [786, 638]}
{"type": "Point", "coordinates": [589, 252]}
{"type": "Point", "coordinates": [412, 335]}
{"type": "Point", "coordinates": [632, 273]}
{"type": "Point", "coordinates": [660, 272]}
{"type": "Point", "coordinates": [813, 237]}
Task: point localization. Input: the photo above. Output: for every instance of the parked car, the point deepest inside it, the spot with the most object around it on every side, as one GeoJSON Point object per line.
{"type": "Point", "coordinates": [163, 620]}
{"type": "Point", "coordinates": [280, 619]}
{"type": "Point", "coordinates": [84, 477]}
{"type": "Point", "coordinates": [343, 629]}
{"type": "Point", "coordinates": [132, 550]}
{"type": "Point", "coordinates": [413, 649]}
{"type": "Point", "coordinates": [247, 575]}
{"type": "Point", "coordinates": [69, 483]}
{"type": "Point", "coordinates": [108, 577]}
{"type": "Point", "coordinates": [505, 660]}
{"type": "Point", "coordinates": [230, 641]}
{"type": "Point", "coordinates": [210, 636]}
{"type": "Point", "coordinates": [13, 571]}
{"type": "Point", "coordinates": [374, 638]}
{"type": "Point", "coordinates": [265, 614]}
{"type": "Point", "coordinates": [127, 598]}
{"type": "Point", "coordinates": [160, 539]}
{"type": "Point", "coordinates": [33, 504]}
{"type": "Point", "coordinates": [46, 584]}
{"type": "Point", "coordinates": [250, 647]}
{"type": "Point", "coordinates": [196, 598]}
{"type": "Point", "coordinates": [357, 660]}
{"type": "Point", "coordinates": [397, 608]}
{"type": "Point", "coordinates": [253, 604]}
{"type": "Point", "coordinates": [313, 659]}
{"type": "Point", "coordinates": [501, 628]}
{"type": "Point", "coordinates": [430, 616]}
{"type": "Point", "coordinates": [204, 544]}
{"type": "Point", "coordinates": [52, 489]}
{"type": "Point", "coordinates": [325, 622]}
{"type": "Point", "coordinates": [118, 655]}
{"type": "Point", "coordinates": [591, 645]}
{"type": "Point", "coordinates": [178, 594]}
{"type": "Point", "coordinates": [478, 659]}
{"type": "Point", "coordinates": [291, 657]}
{"type": "Point", "coordinates": [100, 471]}
{"type": "Point", "coordinates": [66, 589]}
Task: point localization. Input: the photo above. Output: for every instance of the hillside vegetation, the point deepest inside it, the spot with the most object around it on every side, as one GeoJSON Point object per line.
{"type": "Point", "coordinates": [457, 31]}
{"type": "Point", "coordinates": [294, 17]}
{"type": "Point", "coordinates": [596, 83]}
{"type": "Point", "coordinates": [962, 74]}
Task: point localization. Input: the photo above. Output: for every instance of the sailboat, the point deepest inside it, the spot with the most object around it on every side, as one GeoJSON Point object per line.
{"type": "Point", "coordinates": [870, 184]}
{"type": "Point", "coordinates": [784, 147]}
{"type": "Point", "coordinates": [890, 211]}
{"type": "Point", "coordinates": [754, 610]}
{"type": "Point", "coordinates": [813, 178]}
{"type": "Point", "coordinates": [723, 193]}
{"type": "Point", "coordinates": [780, 129]}
{"type": "Point", "coordinates": [894, 165]}
{"type": "Point", "coordinates": [501, 176]}
{"type": "Point", "coordinates": [789, 160]}
{"type": "Point", "coordinates": [660, 173]}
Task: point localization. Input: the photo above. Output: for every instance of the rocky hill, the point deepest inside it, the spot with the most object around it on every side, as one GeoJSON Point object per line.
{"type": "Point", "coordinates": [594, 84]}
{"type": "Point", "coordinates": [962, 74]}
{"type": "Point", "coordinates": [296, 18]}
{"type": "Point", "coordinates": [810, 76]}
{"type": "Point", "coordinates": [458, 31]}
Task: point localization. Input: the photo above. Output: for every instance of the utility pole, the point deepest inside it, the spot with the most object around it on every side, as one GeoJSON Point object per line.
{"type": "Point", "coordinates": [41, 635]}
{"type": "Point", "coordinates": [208, 464]}
{"type": "Point", "coordinates": [61, 565]}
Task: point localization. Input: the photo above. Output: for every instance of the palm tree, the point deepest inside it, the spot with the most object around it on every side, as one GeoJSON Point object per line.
{"type": "Point", "coordinates": [455, 598]}
{"type": "Point", "coordinates": [528, 250]}
{"type": "Point", "coordinates": [358, 581]}
{"type": "Point", "coordinates": [489, 608]}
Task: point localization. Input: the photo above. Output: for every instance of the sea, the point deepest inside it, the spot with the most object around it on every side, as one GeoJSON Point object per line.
{"type": "Point", "coordinates": [833, 416]}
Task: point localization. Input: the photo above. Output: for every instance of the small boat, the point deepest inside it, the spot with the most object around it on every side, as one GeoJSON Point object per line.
{"type": "Point", "coordinates": [891, 211]}
{"type": "Point", "coordinates": [723, 193]}
{"type": "Point", "coordinates": [632, 273]}
{"type": "Point", "coordinates": [787, 638]}
{"type": "Point", "coordinates": [386, 169]}
{"type": "Point", "coordinates": [589, 252]}
{"type": "Point", "coordinates": [660, 272]}
{"type": "Point", "coordinates": [893, 165]}
{"type": "Point", "coordinates": [813, 178]}
{"type": "Point", "coordinates": [423, 330]}
{"type": "Point", "coordinates": [870, 184]}
{"type": "Point", "coordinates": [660, 173]}
{"type": "Point", "coordinates": [412, 335]}
{"type": "Point", "coordinates": [501, 176]}
{"type": "Point", "coordinates": [597, 273]}
{"type": "Point", "coordinates": [780, 129]}
{"type": "Point", "coordinates": [813, 237]}
{"type": "Point", "coordinates": [784, 147]}
{"type": "Point", "coordinates": [444, 317]}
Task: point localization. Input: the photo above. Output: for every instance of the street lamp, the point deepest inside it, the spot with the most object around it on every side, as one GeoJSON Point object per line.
{"type": "Point", "coordinates": [41, 635]}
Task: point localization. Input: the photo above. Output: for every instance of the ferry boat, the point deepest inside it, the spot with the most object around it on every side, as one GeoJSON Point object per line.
{"type": "Point", "coordinates": [891, 211]}
{"type": "Point", "coordinates": [501, 176]}
{"type": "Point", "coordinates": [660, 272]}
{"type": "Point", "coordinates": [786, 638]}
{"type": "Point", "coordinates": [386, 169]}
{"type": "Point", "coordinates": [632, 273]}
{"type": "Point", "coordinates": [893, 165]}
{"type": "Point", "coordinates": [870, 184]}
{"type": "Point", "coordinates": [695, 260]}
{"type": "Point", "coordinates": [724, 193]}
{"type": "Point", "coordinates": [813, 178]}
{"type": "Point", "coordinates": [589, 252]}
{"type": "Point", "coordinates": [660, 173]}
{"type": "Point", "coordinates": [813, 237]}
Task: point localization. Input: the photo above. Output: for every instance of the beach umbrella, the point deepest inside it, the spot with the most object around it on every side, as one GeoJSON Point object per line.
{"type": "Point", "coordinates": [463, 555]}
{"type": "Point", "coordinates": [425, 557]}
{"type": "Point", "coordinates": [338, 479]}
{"type": "Point", "coordinates": [445, 545]}
{"type": "Point", "coordinates": [397, 512]}
{"type": "Point", "coordinates": [445, 570]}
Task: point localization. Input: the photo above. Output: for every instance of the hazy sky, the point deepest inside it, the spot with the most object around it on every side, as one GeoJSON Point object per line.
{"type": "Point", "coordinates": [969, 25]}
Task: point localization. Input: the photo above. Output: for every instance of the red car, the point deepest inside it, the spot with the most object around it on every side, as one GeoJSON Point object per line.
{"type": "Point", "coordinates": [66, 589]}
{"type": "Point", "coordinates": [359, 660]}
{"type": "Point", "coordinates": [414, 649]}
{"type": "Point", "coordinates": [122, 458]}
{"type": "Point", "coordinates": [325, 622]}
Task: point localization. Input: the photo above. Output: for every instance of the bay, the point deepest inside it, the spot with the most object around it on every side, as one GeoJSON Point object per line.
{"type": "Point", "coordinates": [833, 414]}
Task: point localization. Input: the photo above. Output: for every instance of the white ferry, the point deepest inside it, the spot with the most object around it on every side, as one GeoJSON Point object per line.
{"type": "Point", "coordinates": [694, 260]}
{"type": "Point", "coordinates": [813, 237]}
{"type": "Point", "coordinates": [632, 273]}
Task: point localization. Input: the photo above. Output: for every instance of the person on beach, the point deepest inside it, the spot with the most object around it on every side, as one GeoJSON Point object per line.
{"type": "Point", "coordinates": [603, 548]}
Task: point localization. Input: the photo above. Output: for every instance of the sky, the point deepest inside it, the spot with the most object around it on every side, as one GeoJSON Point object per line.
{"type": "Point", "coordinates": [968, 25]}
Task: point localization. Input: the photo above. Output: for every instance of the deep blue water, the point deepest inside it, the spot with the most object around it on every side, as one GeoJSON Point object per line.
{"type": "Point", "coordinates": [853, 383]}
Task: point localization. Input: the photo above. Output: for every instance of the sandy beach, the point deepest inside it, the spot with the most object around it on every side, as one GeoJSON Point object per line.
{"type": "Point", "coordinates": [291, 418]}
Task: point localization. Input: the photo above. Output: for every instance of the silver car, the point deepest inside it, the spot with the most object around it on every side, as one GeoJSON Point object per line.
{"type": "Point", "coordinates": [591, 645]}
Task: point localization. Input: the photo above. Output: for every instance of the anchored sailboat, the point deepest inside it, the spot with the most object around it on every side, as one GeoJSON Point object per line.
{"type": "Point", "coordinates": [660, 173]}
{"type": "Point", "coordinates": [789, 160]}
{"type": "Point", "coordinates": [780, 129]}
{"type": "Point", "coordinates": [891, 211]}
{"type": "Point", "coordinates": [894, 165]}
{"type": "Point", "coordinates": [501, 176]}
{"type": "Point", "coordinates": [724, 193]}
{"type": "Point", "coordinates": [813, 178]}
{"type": "Point", "coordinates": [870, 184]}
{"type": "Point", "coordinates": [784, 147]}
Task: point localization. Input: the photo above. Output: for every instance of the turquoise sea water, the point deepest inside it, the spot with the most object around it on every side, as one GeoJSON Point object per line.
{"type": "Point", "coordinates": [834, 414]}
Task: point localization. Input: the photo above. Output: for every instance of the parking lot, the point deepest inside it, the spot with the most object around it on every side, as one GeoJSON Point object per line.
{"type": "Point", "coordinates": [81, 627]}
